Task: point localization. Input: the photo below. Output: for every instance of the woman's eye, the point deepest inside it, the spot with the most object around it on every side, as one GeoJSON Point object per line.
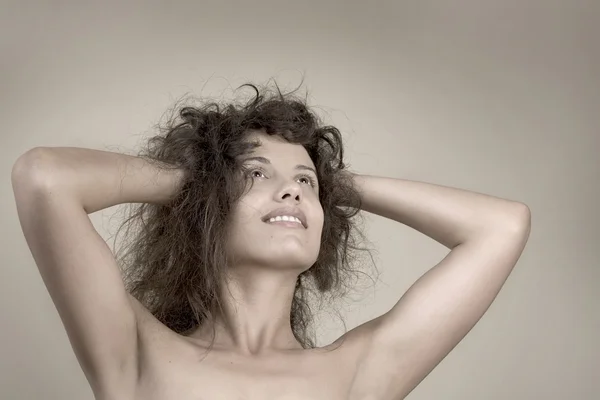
{"type": "Point", "coordinates": [310, 181]}
{"type": "Point", "coordinates": [257, 173]}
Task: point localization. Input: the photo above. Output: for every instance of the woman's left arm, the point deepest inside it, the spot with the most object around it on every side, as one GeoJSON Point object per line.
{"type": "Point", "coordinates": [486, 236]}
{"type": "Point", "coordinates": [448, 215]}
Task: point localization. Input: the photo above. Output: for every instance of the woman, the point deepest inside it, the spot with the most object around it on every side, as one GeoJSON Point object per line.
{"type": "Point", "coordinates": [244, 210]}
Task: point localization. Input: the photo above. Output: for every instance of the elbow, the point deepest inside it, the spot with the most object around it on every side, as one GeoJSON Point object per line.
{"type": "Point", "coordinates": [31, 169]}
{"type": "Point", "coordinates": [522, 217]}
{"type": "Point", "coordinates": [514, 221]}
{"type": "Point", "coordinates": [517, 222]}
{"type": "Point", "coordinates": [512, 226]}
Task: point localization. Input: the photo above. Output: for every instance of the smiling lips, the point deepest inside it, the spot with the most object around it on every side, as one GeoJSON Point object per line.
{"type": "Point", "coordinates": [288, 221]}
{"type": "Point", "coordinates": [286, 216]}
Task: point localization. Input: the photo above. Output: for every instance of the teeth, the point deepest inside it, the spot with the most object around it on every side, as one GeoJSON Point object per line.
{"type": "Point", "coordinates": [285, 218]}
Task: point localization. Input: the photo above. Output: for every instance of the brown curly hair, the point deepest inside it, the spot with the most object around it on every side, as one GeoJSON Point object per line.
{"type": "Point", "coordinates": [174, 262]}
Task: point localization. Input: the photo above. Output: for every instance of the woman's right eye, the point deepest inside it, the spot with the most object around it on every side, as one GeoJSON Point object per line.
{"type": "Point", "coordinates": [252, 173]}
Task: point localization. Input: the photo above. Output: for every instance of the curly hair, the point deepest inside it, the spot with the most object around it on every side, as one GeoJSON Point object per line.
{"type": "Point", "coordinates": [175, 260]}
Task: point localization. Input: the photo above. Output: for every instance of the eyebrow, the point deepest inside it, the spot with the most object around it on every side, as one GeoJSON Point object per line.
{"type": "Point", "coordinates": [267, 161]}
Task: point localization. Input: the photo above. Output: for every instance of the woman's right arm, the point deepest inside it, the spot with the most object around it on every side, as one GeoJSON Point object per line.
{"type": "Point", "coordinates": [55, 189]}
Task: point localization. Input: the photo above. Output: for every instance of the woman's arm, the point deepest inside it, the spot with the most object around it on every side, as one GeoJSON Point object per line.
{"type": "Point", "coordinates": [487, 236]}
{"type": "Point", "coordinates": [100, 179]}
{"type": "Point", "coordinates": [448, 215]}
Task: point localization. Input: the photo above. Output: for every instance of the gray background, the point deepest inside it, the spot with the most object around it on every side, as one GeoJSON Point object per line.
{"type": "Point", "coordinates": [500, 97]}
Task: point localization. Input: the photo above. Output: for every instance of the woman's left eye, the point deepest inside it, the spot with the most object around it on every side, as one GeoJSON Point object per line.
{"type": "Point", "coordinates": [309, 179]}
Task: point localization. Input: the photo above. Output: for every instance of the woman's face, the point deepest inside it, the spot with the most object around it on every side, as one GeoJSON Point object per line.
{"type": "Point", "coordinates": [284, 184]}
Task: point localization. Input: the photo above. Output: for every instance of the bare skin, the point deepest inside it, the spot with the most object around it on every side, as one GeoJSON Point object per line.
{"type": "Point", "coordinates": [177, 367]}
{"type": "Point", "coordinates": [127, 354]}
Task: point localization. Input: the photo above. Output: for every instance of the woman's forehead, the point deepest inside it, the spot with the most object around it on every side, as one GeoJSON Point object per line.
{"type": "Point", "coordinates": [277, 150]}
